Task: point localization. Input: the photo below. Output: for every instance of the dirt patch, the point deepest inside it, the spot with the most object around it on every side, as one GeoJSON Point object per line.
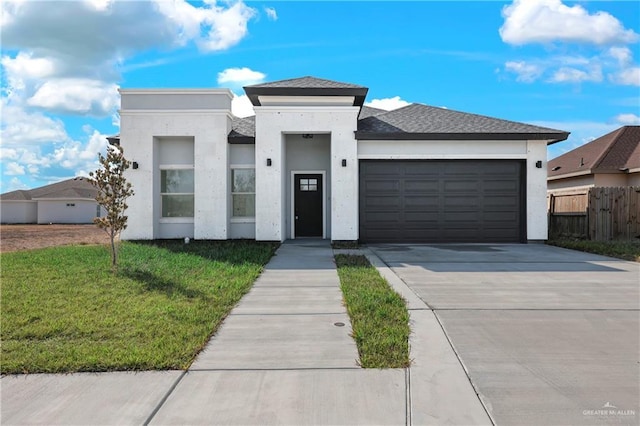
{"type": "Point", "coordinates": [28, 237]}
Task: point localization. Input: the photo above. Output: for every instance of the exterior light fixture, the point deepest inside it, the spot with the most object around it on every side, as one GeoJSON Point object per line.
{"type": "Point", "coordinates": [344, 162]}
{"type": "Point", "coordinates": [268, 162]}
{"type": "Point", "coordinates": [134, 165]}
{"type": "Point", "coordinates": [539, 164]}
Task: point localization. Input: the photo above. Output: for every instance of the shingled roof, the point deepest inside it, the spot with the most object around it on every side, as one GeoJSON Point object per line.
{"type": "Point", "coordinates": [306, 86]}
{"type": "Point", "coordinates": [243, 130]}
{"type": "Point", "coordinates": [615, 152]}
{"type": "Point", "coordinates": [418, 121]}
{"type": "Point", "coordinates": [76, 188]}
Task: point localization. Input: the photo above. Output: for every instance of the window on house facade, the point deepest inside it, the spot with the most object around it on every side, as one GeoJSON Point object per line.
{"type": "Point", "coordinates": [176, 192]}
{"type": "Point", "coordinates": [243, 192]}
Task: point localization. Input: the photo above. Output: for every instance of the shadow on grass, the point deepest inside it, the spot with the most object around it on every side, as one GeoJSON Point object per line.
{"type": "Point", "coordinates": [153, 282]}
{"type": "Point", "coordinates": [238, 252]}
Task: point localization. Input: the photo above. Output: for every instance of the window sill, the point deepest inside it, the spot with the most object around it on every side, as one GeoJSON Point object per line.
{"type": "Point", "coordinates": [176, 220]}
{"type": "Point", "coordinates": [243, 220]}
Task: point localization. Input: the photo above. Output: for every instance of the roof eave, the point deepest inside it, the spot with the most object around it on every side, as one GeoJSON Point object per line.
{"type": "Point", "coordinates": [550, 137]}
{"type": "Point", "coordinates": [253, 93]}
{"type": "Point", "coordinates": [242, 140]}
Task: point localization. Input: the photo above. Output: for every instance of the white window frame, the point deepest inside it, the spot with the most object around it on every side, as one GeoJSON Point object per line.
{"type": "Point", "coordinates": [240, 219]}
{"type": "Point", "coordinates": [189, 219]}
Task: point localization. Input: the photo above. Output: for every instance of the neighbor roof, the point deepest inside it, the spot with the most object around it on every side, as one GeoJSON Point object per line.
{"type": "Point", "coordinates": [75, 188]}
{"type": "Point", "coordinates": [418, 121]}
{"type": "Point", "coordinates": [306, 86]}
{"type": "Point", "coordinates": [615, 152]}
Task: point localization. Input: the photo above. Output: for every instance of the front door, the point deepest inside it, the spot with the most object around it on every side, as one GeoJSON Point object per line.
{"type": "Point", "coordinates": [308, 205]}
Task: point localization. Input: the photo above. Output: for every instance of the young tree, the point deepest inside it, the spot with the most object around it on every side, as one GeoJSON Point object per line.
{"type": "Point", "coordinates": [113, 191]}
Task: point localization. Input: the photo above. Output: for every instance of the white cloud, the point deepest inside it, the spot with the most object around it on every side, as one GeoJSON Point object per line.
{"type": "Point", "coordinates": [240, 76]}
{"type": "Point", "coordinates": [573, 75]}
{"type": "Point", "coordinates": [19, 127]}
{"type": "Point", "coordinates": [387, 104]}
{"type": "Point", "coordinates": [547, 21]}
{"type": "Point", "coordinates": [628, 119]}
{"type": "Point", "coordinates": [622, 54]}
{"type": "Point", "coordinates": [241, 106]}
{"type": "Point", "coordinates": [226, 26]}
{"type": "Point", "coordinates": [628, 77]}
{"type": "Point", "coordinates": [271, 13]}
{"type": "Point", "coordinates": [77, 96]}
{"type": "Point", "coordinates": [526, 72]}
{"type": "Point", "coordinates": [15, 184]}
{"type": "Point", "coordinates": [14, 169]}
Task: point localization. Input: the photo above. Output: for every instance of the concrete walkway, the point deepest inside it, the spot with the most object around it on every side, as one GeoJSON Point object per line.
{"type": "Point", "coordinates": [283, 356]}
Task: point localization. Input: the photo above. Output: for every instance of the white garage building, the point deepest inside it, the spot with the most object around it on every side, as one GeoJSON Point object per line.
{"type": "Point", "coordinates": [315, 162]}
{"type": "Point", "coordinates": [71, 201]}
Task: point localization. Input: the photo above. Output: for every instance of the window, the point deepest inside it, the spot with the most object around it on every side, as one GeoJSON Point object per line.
{"type": "Point", "coordinates": [176, 192]}
{"type": "Point", "coordinates": [243, 192]}
{"type": "Point", "coordinates": [308, 184]}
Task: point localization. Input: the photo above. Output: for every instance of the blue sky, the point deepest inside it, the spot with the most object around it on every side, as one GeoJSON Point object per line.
{"type": "Point", "coordinates": [573, 66]}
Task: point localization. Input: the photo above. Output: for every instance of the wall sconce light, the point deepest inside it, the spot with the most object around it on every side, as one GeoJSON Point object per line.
{"type": "Point", "coordinates": [344, 162]}
{"type": "Point", "coordinates": [134, 165]}
{"type": "Point", "coordinates": [539, 164]}
{"type": "Point", "coordinates": [268, 162]}
{"type": "Point", "coordinates": [307, 136]}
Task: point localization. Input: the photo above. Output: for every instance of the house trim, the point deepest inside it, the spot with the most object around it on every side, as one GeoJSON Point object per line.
{"type": "Point", "coordinates": [292, 213]}
{"type": "Point", "coordinates": [551, 137]}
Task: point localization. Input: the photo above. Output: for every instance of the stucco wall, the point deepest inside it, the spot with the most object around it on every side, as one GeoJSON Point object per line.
{"type": "Point", "coordinates": [611, 179]}
{"type": "Point", "coordinates": [18, 212]}
{"type": "Point", "coordinates": [272, 124]}
{"type": "Point", "coordinates": [179, 99]}
{"type": "Point", "coordinates": [209, 132]}
{"type": "Point", "coordinates": [537, 225]}
{"type": "Point", "coordinates": [66, 211]}
{"type": "Point", "coordinates": [570, 183]}
{"type": "Point", "coordinates": [434, 150]}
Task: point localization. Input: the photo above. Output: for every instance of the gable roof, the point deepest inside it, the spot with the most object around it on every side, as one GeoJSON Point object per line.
{"type": "Point", "coordinates": [76, 188]}
{"type": "Point", "coordinates": [306, 86]}
{"type": "Point", "coordinates": [615, 152]}
{"type": "Point", "coordinates": [418, 121]}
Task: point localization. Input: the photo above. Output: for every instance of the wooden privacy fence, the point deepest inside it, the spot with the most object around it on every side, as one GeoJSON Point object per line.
{"type": "Point", "coordinates": [599, 214]}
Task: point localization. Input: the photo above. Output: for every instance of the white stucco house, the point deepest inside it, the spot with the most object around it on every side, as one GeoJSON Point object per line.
{"type": "Point", "coordinates": [315, 162]}
{"type": "Point", "coordinates": [70, 201]}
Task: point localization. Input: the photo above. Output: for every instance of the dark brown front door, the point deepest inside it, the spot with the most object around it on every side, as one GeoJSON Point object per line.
{"type": "Point", "coordinates": [308, 205]}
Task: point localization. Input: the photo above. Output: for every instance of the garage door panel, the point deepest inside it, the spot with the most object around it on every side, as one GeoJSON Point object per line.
{"type": "Point", "coordinates": [441, 200]}
{"type": "Point", "coordinates": [426, 185]}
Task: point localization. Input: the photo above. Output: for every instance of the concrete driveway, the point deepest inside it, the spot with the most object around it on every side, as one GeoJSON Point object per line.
{"type": "Point", "coordinates": [546, 335]}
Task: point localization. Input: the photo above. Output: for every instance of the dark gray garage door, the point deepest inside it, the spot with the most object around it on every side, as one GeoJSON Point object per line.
{"type": "Point", "coordinates": [439, 201]}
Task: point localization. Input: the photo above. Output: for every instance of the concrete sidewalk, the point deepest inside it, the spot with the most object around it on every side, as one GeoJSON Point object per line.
{"type": "Point", "coordinates": [283, 356]}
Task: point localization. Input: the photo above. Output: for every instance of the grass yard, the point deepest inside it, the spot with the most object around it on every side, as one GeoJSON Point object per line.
{"type": "Point", "coordinates": [378, 314]}
{"type": "Point", "coordinates": [64, 311]}
{"type": "Point", "coordinates": [627, 250]}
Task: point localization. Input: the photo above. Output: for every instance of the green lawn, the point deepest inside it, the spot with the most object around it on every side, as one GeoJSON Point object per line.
{"type": "Point", "coordinates": [627, 250]}
{"type": "Point", "coordinates": [63, 310]}
{"type": "Point", "coordinates": [379, 317]}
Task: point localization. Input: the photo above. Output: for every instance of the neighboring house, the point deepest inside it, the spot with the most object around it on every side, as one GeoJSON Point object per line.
{"type": "Point", "coordinates": [611, 160]}
{"type": "Point", "coordinates": [69, 201]}
{"type": "Point", "coordinates": [315, 162]}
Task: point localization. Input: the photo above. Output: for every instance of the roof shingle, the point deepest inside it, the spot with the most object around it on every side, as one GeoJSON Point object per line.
{"type": "Point", "coordinates": [78, 187]}
{"type": "Point", "coordinates": [423, 121]}
{"type": "Point", "coordinates": [613, 152]}
{"type": "Point", "coordinates": [307, 82]}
